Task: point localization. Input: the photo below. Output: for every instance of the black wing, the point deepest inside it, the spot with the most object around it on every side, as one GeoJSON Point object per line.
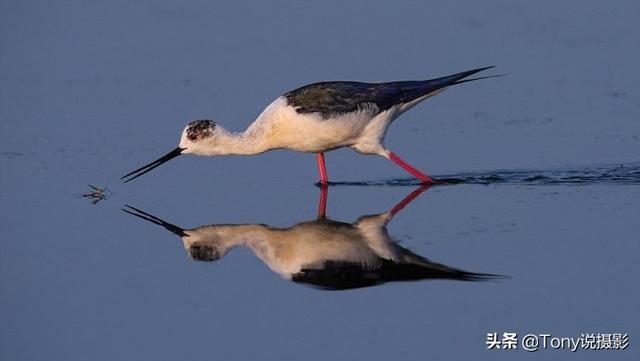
{"type": "Point", "coordinates": [340, 97]}
{"type": "Point", "coordinates": [343, 275]}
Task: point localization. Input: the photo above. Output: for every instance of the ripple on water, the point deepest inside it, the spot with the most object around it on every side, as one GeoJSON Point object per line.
{"type": "Point", "coordinates": [587, 175]}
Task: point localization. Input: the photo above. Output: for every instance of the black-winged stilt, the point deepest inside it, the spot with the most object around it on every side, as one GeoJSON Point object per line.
{"type": "Point", "coordinates": [317, 118]}
{"type": "Point", "coordinates": [320, 252]}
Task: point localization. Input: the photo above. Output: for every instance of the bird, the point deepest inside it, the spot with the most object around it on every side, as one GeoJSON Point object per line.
{"type": "Point", "coordinates": [321, 252]}
{"type": "Point", "coordinates": [318, 118]}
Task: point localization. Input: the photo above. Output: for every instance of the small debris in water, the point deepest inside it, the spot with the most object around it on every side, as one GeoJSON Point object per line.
{"type": "Point", "coordinates": [97, 194]}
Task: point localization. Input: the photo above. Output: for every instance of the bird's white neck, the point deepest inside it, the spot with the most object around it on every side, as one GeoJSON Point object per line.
{"type": "Point", "coordinates": [248, 142]}
{"type": "Point", "coordinates": [227, 143]}
{"type": "Point", "coordinates": [257, 237]}
{"type": "Point", "coordinates": [233, 235]}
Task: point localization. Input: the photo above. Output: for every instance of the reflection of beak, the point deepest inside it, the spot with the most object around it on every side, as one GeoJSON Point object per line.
{"type": "Point", "coordinates": [153, 219]}
{"type": "Point", "coordinates": [147, 168]}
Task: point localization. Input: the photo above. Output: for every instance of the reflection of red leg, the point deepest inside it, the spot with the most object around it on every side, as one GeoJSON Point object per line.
{"type": "Point", "coordinates": [322, 168]}
{"type": "Point", "coordinates": [408, 199]}
{"type": "Point", "coordinates": [409, 168]}
{"type": "Point", "coordinates": [322, 205]}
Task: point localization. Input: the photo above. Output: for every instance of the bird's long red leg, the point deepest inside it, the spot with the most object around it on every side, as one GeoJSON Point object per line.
{"type": "Point", "coordinates": [323, 169]}
{"type": "Point", "coordinates": [322, 205]}
{"type": "Point", "coordinates": [411, 169]}
{"type": "Point", "coordinates": [408, 199]}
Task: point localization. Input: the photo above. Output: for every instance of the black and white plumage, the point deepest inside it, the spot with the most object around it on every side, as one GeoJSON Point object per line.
{"type": "Point", "coordinates": [317, 118]}
{"type": "Point", "coordinates": [321, 253]}
{"type": "Point", "coordinates": [335, 98]}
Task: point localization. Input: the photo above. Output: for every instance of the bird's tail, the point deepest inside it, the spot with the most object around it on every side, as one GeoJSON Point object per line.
{"type": "Point", "coordinates": [411, 93]}
{"type": "Point", "coordinates": [459, 78]}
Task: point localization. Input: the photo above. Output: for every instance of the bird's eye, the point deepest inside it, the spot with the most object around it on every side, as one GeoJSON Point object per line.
{"type": "Point", "coordinates": [192, 135]}
{"type": "Point", "coordinates": [204, 253]}
{"type": "Point", "coordinates": [199, 129]}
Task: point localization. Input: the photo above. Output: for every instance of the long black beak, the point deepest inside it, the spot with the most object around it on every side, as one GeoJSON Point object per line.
{"type": "Point", "coordinates": [156, 163]}
{"type": "Point", "coordinates": [153, 219]}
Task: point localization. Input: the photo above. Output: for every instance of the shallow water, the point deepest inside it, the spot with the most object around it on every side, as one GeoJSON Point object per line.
{"type": "Point", "coordinates": [540, 170]}
{"type": "Point", "coordinates": [618, 174]}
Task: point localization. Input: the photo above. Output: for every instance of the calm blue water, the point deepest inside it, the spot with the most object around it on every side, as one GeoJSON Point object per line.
{"type": "Point", "coordinates": [544, 161]}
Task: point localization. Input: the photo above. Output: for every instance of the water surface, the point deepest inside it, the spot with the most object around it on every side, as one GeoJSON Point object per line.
{"type": "Point", "coordinates": [544, 161]}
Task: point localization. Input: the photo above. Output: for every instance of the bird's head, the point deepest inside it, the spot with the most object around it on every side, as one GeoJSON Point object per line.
{"type": "Point", "coordinates": [202, 243]}
{"type": "Point", "coordinates": [204, 252]}
{"type": "Point", "coordinates": [207, 243]}
{"type": "Point", "coordinates": [199, 137]}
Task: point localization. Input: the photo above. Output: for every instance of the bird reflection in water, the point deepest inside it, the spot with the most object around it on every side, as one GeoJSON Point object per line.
{"type": "Point", "coordinates": [322, 253]}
